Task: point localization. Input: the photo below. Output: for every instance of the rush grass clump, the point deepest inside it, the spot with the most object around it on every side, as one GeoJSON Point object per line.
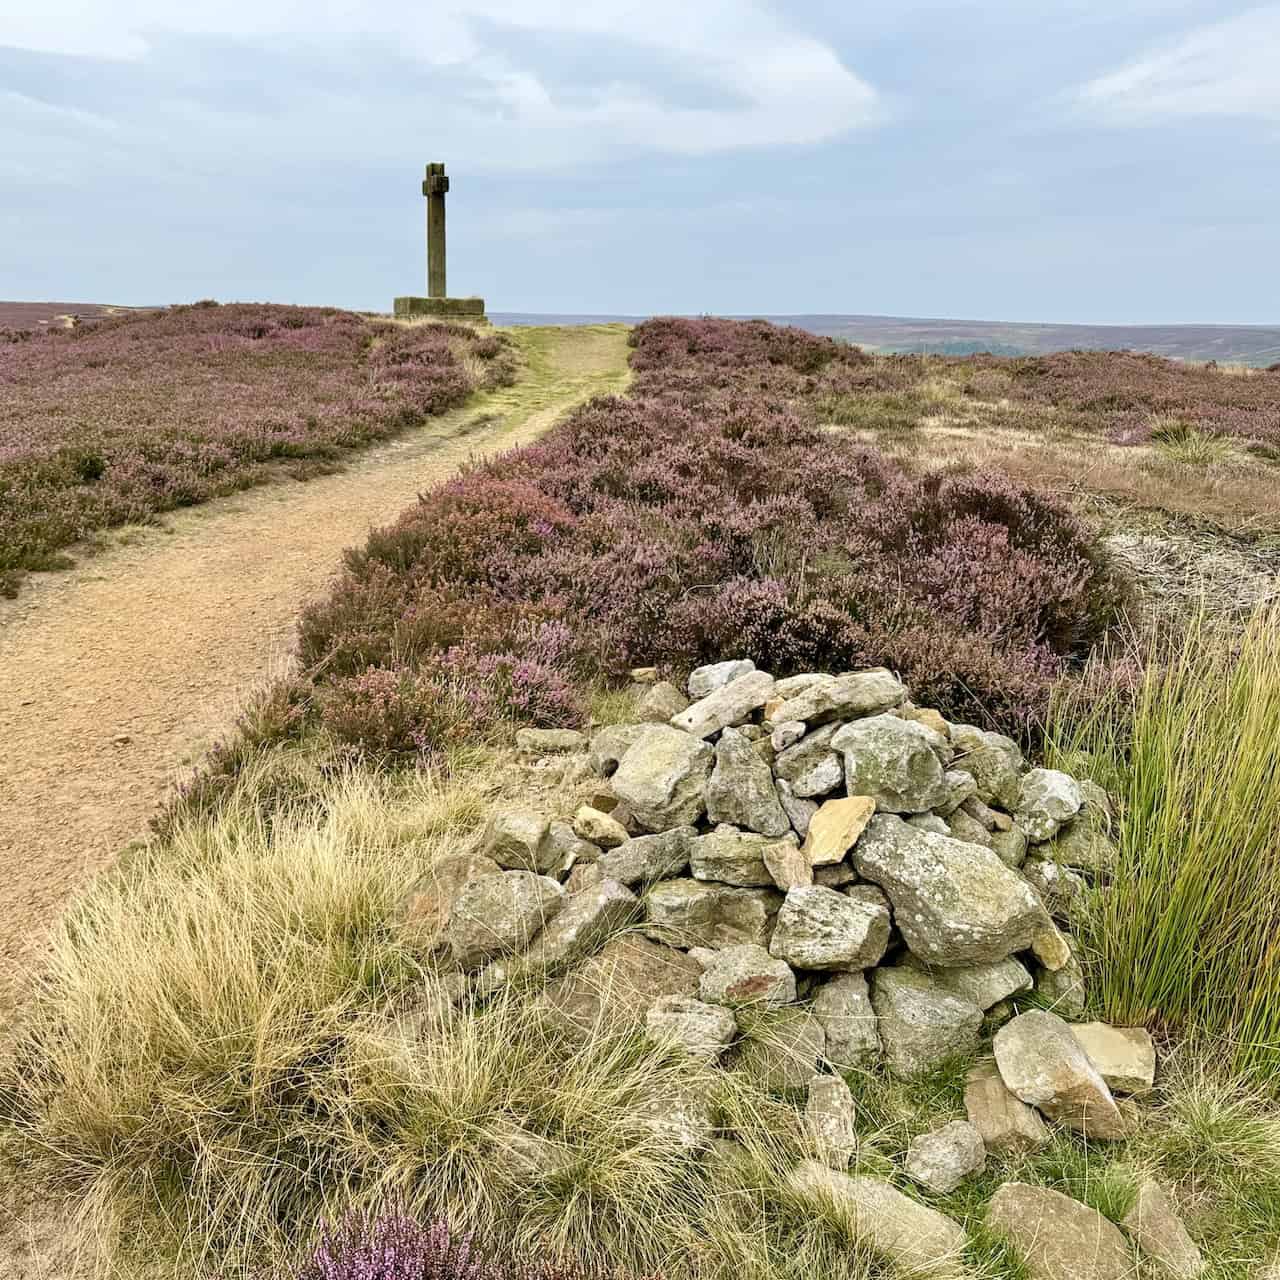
{"type": "Point", "coordinates": [116, 421]}
{"type": "Point", "coordinates": [1186, 934]}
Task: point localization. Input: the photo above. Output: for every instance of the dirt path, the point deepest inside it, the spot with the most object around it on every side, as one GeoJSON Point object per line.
{"type": "Point", "coordinates": [117, 674]}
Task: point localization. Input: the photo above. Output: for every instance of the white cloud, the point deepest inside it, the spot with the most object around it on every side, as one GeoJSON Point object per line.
{"type": "Point", "coordinates": [771, 85]}
{"type": "Point", "coordinates": [1229, 68]}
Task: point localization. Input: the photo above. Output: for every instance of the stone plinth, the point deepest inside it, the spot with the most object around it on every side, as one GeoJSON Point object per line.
{"type": "Point", "coordinates": [441, 308]}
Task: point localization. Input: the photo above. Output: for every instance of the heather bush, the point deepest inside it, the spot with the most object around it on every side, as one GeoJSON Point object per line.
{"type": "Point", "coordinates": [115, 421]}
{"type": "Point", "coordinates": [708, 512]}
{"type": "Point", "coordinates": [394, 1246]}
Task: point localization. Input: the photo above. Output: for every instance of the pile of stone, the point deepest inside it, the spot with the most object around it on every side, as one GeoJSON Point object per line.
{"type": "Point", "coordinates": [802, 877]}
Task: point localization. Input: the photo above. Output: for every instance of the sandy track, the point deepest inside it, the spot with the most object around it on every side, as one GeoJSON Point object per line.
{"type": "Point", "coordinates": [114, 676]}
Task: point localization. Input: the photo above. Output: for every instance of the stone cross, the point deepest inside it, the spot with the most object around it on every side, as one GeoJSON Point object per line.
{"type": "Point", "coordinates": [434, 185]}
{"type": "Point", "coordinates": [437, 303]}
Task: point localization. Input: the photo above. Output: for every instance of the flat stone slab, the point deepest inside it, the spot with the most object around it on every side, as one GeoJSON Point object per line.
{"type": "Point", "coordinates": [445, 308]}
{"type": "Point", "coordinates": [1059, 1238]}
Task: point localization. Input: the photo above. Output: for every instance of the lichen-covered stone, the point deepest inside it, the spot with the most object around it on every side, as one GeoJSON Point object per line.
{"type": "Point", "coordinates": [984, 984]}
{"type": "Point", "coordinates": [690, 913]}
{"type": "Point", "coordinates": [516, 839]}
{"type": "Point", "coordinates": [585, 922]}
{"type": "Point", "coordinates": [843, 1006]}
{"type": "Point", "coordinates": [701, 1030]}
{"type": "Point", "coordinates": [920, 1024]}
{"type": "Point", "coordinates": [1062, 989]}
{"type": "Point", "coordinates": [786, 863]}
{"type": "Point", "coordinates": [955, 903]}
{"type": "Point", "coordinates": [942, 1159]}
{"type": "Point", "coordinates": [427, 905]}
{"type": "Point", "coordinates": [747, 975]}
{"type": "Point", "coordinates": [660, 703]}
{"type": "Point", "coordinates": [819, 928]}
{"type": "Point", "coordinates": [897, 762]}
{"type": "Point", "coordinates": [1046, 799]}
{"type": "Point", "coordinates": [730, 704]}
{"type": "Point", "coordinates": [994, 761]}
{"type": "Point", "coordinates": [730, 856]}
{"type": "Point", "coordinates": [800, 812]}
{"type": "Point", "coordinates": [811, 767]}
{"type": "Point", "coordinates": [499, 914]}
{"type": "Point", "coordinates": [662, 778]}
{"type": "Point", "coordinates": [741, 789]}
{"type": "Point", "coordinates": [830, 1116]}
{"type": "Point", "coordinates": [644, 859]}
{"type": "Point", "coordinates": [610, 744]}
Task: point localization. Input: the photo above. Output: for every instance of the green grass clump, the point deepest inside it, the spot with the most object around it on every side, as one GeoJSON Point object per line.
{"type": "Point", "coordinates": [1183, 441]}
{"type": "Point", "coordinates": [1185, 936]}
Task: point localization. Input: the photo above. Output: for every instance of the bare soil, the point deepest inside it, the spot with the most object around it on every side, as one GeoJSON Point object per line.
{"type": "Point", "coordinates": [116, 675]}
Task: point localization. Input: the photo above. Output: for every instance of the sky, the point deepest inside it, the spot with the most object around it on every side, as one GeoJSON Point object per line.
{"type": "Point", "coordinates": [1041, 160]}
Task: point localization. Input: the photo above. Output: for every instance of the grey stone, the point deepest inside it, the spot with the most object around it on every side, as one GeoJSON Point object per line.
{"type": "Point", "coordinates": [727, 705]}
{"type": "Point", "coordinates": [525, 1156]}
{"type": "Point", "coordinates": [570, 849]}
{"type": "Point", "coordinates": [955, 903]}
{"type": "Point", "coordinates": [1007, 1125]}
{"type": "Point", "coordinates": [691, 913]}
{"type": "Point", "coordinates": [1061, 890]}
{"type": "Point", "coordinates": [613, 990]}
{"type": "Point", "coordinates": [829, 1117]}
{"type": "Point", "coordinates": [549, 742]}
{"type": "Point", "coordinates": [496, 915]}
{"type": "Point", "coordinates": [961, 786]}
{"type": "Point", "coordinates": [1125, 1057]}
{"type": "Point", "coordinates": [662, 777]}
{"type": "Point", "coordinates": [705, 680]}
{"type": "Point", "coordinates": [661, 702]}
{"type": "Point", "coordinates": [741, 789]}
{"type": "Point", "coordinates": [1010, 846]}
{"type": "Point", "coordinates": [912, 1237]}
{"type": "Point", "coordinates": [701, 1030]}
{"type": "Point", "coordinates": [517, 839]}
{"type": "Point", "coordinates": [1046, 799]}
{"type": "Point", "coordinates": [586, 921]}
{"type": "Point", "coordinates": [787, 734]}
{"type": "Point", "coordinates": [859, 693]}
{"type": "Point", "coordinates": [985, 984]}
{"type": "Point", "coordinates": [819, 928]}
{"type": "Point", "coordinates": [798, 810]}
{"type": "Point", "coordinates": [644, 859]}
{"type": "Point", "coordinates": [1085, 841]}
{"type": "Point", "coordinates": [990, 818]}
{"type": "Point", "coordinates": [1062, 989]}
{"type": "Point", "coordinates": [600, 829]}
{"type": "Point", "coordinates": [730, 856]}
{"type": "Point", "coordinates": [843, 1006]}
{"type": "Point", "coordinates": [1058, 1237]}
{"type": "Point", "coordinates": [898, 762]}
{"type": "Point", "coordinates": [1154, 1226]}
{"type": "Point", "coordinates": [811, 767]}
{"type": "Point", "coordinates": [940, 1161]}
{"type": "Point", "coordinates": [920, 1024]}
{"type": "Point", "coordinates": [929, 822]}
{"type": "Point", "coordinates": [781, 1049]}
{"type": "Point", "coordinates": [747, 975]}
{"type": "Point", "coordinates": [680, 1117]}
{"type": "Point", "coordinates": [428, 904]}
{"type": "Point", "coordinates": [994, 761]}
{"type": "Point", "coordinates": [610, 744]}
{"type": "Point", "coordinates": [1041, 1062]}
